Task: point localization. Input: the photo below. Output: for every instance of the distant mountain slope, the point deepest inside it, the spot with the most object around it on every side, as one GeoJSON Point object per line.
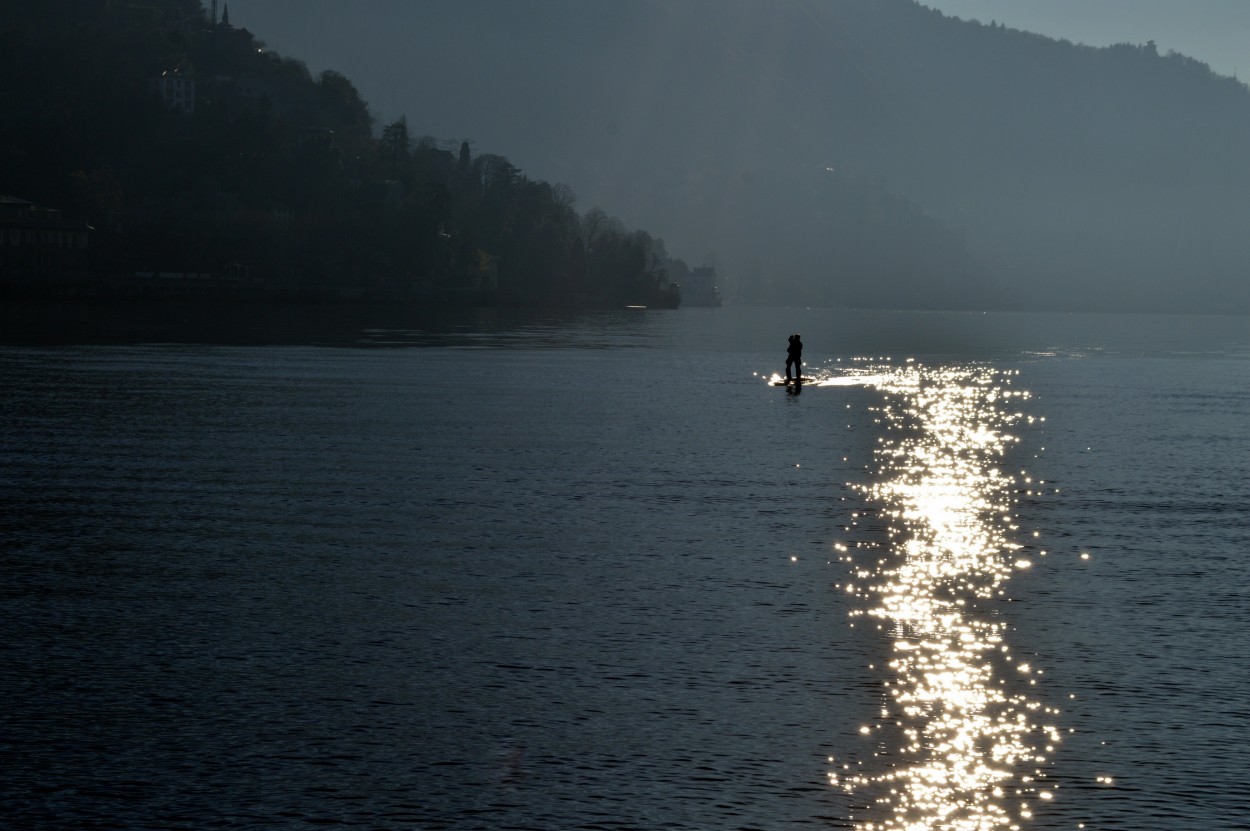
{"type": "Point", "coordinates": [869, 151]}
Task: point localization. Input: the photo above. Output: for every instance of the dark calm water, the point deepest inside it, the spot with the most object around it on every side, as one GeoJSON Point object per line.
{"type": "Point", "coordinates": [593, 572]}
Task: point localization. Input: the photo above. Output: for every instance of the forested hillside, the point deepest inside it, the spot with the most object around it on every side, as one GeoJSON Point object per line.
{"type": "Point", "coordinates": [844, 152]}
{"type": "Point", "coordinates": [870, 151]}
{"type": "Point", "coordinates": [1098, 178]}
{"type": "Point", "coordinates": [275, 178]}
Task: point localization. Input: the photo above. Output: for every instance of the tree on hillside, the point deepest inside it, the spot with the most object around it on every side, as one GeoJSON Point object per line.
{"type": "Point", "coordinates": [395, 141]}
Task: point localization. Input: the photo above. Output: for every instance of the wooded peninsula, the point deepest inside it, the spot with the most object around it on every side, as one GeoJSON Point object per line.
{"type": "Point", "coordinates": [153, 152]}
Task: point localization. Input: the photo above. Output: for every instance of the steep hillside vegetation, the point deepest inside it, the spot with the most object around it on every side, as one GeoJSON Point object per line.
{"type": "Point", "coordinates": [274, 180]}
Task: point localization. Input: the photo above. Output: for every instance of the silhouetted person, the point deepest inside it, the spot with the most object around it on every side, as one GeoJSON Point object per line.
{"type": "Point", "coordinates": [794, 355]}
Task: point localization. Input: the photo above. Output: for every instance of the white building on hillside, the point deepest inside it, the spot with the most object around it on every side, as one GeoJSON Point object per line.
{"type": "Point", "coordinates": [175, 91]}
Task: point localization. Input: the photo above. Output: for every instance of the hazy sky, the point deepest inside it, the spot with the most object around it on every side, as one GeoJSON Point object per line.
{"type": "Point", "coordinates": [1216, 32]}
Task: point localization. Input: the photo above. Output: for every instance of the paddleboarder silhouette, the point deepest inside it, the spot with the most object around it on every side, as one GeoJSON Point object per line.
{"type": "Point", "coordinates": [794, 355]}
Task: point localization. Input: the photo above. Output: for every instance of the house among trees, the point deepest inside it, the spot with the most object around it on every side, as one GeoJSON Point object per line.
{"type": "Point", "coordinates": [39, 246]}
{"type": "Point", "coordinates": [176, 91]}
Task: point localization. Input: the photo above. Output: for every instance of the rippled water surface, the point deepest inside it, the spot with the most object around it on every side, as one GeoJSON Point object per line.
{"type": "Point", "coordinates": [504, 572]}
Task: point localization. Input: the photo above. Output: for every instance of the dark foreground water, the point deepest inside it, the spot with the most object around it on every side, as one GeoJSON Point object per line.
{"type": "Point", "coordinates": [593, 572]}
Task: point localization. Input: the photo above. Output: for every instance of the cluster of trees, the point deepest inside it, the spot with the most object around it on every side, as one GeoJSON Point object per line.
{"type": "Point", "coordinates": [276, 176]}
{"type": "Point", "coordinates": [472, 222]}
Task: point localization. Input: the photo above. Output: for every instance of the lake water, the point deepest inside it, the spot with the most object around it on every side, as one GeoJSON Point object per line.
{"type": "Point", "coordinates": [497, 571]}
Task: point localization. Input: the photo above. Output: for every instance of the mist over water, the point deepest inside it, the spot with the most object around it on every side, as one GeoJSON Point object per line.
{"type": "Point", "coordinates": [598, 573]}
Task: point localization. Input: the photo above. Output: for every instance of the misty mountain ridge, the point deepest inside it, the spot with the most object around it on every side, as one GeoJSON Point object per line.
{"type": "Point", "coordinates": [868, 152]}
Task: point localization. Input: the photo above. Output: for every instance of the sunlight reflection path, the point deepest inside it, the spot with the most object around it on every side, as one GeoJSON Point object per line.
{"type": "Point", "coordinates": [966, 741]}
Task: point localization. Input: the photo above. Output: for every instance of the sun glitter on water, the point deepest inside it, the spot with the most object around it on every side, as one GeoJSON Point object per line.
{"type": "Point", "coordinates": [967, 749]}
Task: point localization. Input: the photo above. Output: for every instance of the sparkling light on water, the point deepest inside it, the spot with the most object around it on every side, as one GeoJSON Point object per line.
{"type": "Point", "coordinates": [959, 745]}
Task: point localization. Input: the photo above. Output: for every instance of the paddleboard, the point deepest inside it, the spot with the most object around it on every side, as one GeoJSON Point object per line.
{"type": "Point", "coordinates": [790, 382]}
